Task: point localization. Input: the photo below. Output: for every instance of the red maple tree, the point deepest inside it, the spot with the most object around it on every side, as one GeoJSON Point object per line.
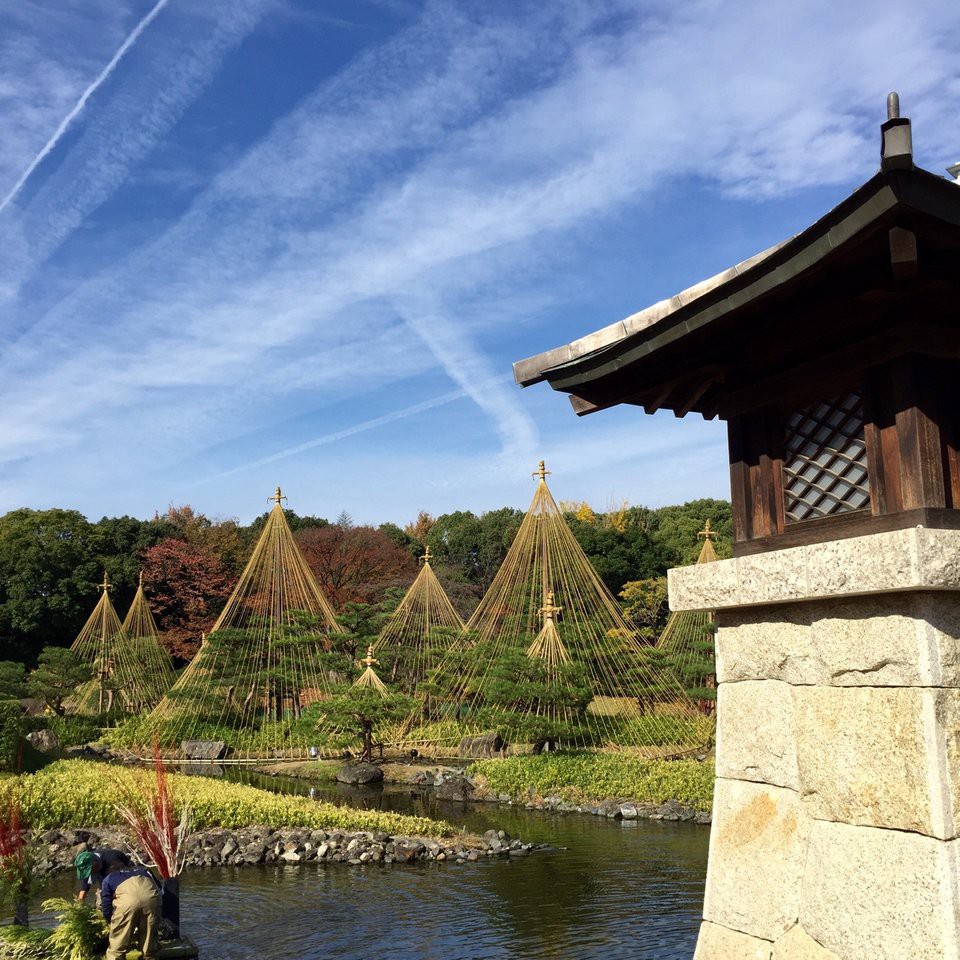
{"type": "Point", "coordinates": [355, 564]}
{"type": "Point", "coordinates": [186, 585]}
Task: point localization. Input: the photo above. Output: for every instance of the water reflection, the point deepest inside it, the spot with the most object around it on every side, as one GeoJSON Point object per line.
{"type": "Point", "coordinates": [619, 890]}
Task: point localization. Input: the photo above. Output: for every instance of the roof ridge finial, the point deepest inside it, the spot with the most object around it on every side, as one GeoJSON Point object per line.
{"type": "Point", "coordinates": [541, 472]}
{"type": "Point", "coordinates": [896, 139]}
{"type": "Point", "coordinates": [278, 496]}
{"type": "Point", "coordinates": [893, 105]}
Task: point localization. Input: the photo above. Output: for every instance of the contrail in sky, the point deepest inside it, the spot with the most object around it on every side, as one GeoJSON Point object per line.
{"type": "Point", "coordinates": [84, 97]}
{"type": "Point", "coordinates": [346, 432]}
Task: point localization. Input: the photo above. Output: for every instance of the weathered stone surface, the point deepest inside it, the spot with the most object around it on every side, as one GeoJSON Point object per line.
{"type": "Point", "coordinates": [873, 894]}
{"type": "Point", "coordinates": [878, 756]}
{"type": "Point", "coordinates": [46, 741]}
{"type": "Point", "coordinates": [872, 641]}
{"type": "Point", "coordinates": [756, 732]}
{"type": "Point", "coordinates": [939, 558]}
{"type": "Point", "coordinates": [719, 943]}
{"type": "Point", "coordinates": [757, 851]}
{"type": "Point", "coordinates": [204, 749]}
{"type": "Point", "coordinates": [875, 563]}
{"type": "Point", "coordinates": [904, 640]}
{"type": "Point", "coordinates": [773, 577]}
{"type": "Point", "coordinates": [878, 563]}
{"type": "Point", "coordinates": [797, 944]}
{"type": "Point", "coordinates": [358, 773]}
{"type": "Point", "coordinates": [712, 588]}
{"type": "Point", "coordinates": [766, 643]}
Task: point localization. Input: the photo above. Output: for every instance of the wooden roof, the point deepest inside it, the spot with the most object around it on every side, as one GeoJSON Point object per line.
{"type": "Point", "coordinates": [876, 277]}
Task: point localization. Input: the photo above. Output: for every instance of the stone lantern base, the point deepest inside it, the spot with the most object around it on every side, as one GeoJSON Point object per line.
{"type": "Point", "coordinates": [837, 806]}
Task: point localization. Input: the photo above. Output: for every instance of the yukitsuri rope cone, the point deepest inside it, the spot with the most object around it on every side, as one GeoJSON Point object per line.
{"type": "Point", "coordinates": [144, 671]}
{"type": "Point", "coordinates": [548, 661]}
{"type": "Point", "coordinates": [269, 655]}
{"type": "Point", "coordinates": [686, 639]}
{"type": "Point", "coordinates": [407, 640]}
{"type": "Point", "coordinates": [97, 645]}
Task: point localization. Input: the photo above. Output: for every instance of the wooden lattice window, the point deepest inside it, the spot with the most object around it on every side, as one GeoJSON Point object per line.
{"type": "Point", "coordinates": [825, 460]}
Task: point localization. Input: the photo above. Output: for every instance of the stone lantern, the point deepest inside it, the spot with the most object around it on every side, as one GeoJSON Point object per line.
{"type": "Point", "coordinates": [834, 359]}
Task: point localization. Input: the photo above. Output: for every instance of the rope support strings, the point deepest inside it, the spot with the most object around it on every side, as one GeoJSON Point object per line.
{"type": "Point", "coordinates": [96, 646]}
{"type": "Point", "coordinates": [143, 668]}
{"type": "Point", "coordinates": [405, 639]}
{"type": "Point", "coordinates": [547, 601]}
{"type": "Point", "coordinates": [684, 632]}
{"type": "Point", "coordinates": [262, 662]}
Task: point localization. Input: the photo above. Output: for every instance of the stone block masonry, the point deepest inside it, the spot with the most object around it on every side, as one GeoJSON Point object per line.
{"type": "Point", "coordinates": [836, 819]}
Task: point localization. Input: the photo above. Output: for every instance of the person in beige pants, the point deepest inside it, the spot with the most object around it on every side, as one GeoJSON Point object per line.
{"type": "Point", "coordinates": [130, 901]}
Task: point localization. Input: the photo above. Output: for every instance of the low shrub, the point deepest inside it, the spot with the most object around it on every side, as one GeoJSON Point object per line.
{"type": "Point", "coordinates": [81, 932]}
{"type": "Point", "coordinates": [79, 793]}
{"type": "Point", "coordinates": [591, 777]}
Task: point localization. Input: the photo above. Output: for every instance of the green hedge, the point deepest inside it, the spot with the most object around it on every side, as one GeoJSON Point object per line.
{"type": "Point", "coordinates": [81, 793]}
{"type": "Point", "coordinates": [592, 777]}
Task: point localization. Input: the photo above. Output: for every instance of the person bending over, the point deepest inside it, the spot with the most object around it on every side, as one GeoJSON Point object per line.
{"type": "Point", "coordinates": [130, 899]}
{"type": "Point", "coordinates": [92, 867]}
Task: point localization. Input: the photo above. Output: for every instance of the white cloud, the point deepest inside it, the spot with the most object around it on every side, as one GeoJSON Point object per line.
{"type": "Point", "coordinates": [420, 189]}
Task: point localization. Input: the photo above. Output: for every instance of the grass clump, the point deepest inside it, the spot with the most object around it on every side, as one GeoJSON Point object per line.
{"type": "Point", "coordinates": [25, 943]}
{"type": "Point", "coordinates": [80, 793]}
{"type": "Point", "coordinates": [592, 777]}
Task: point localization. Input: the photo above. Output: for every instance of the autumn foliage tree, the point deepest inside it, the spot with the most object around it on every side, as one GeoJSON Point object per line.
{"type": "Point", "coordinates": [187, 585]}
{"type": "Point", "coordinates": [355, 564]}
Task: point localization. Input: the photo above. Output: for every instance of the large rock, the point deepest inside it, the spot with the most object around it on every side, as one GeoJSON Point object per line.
{"type": "Point", "coordinates": [852, 744]}
{"type": "Point", "coordinates": [456, 788]}
{"type": "Point", "coordinates": [484, 745]}
{"type": "Point", "coordinates": [359, 773]}
{"type": "Point", "coordinates": [872, 894]}
{"type": "Point", "coordinates": [758, 846]}
{"type": "Point", "coordinates": [719, 943]}
{"type": "Point", "coordinates": [204, 749]}
{"type": "Point", "coordinates": [756, 732]}
{"type": "Point", "coordinates": [46, 741]}
{"type": "Point", "coordinates": [406, 850]}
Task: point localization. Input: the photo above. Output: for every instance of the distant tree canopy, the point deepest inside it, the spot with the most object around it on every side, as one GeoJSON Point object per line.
{"type": "Point", "coordinates": [52, 560]}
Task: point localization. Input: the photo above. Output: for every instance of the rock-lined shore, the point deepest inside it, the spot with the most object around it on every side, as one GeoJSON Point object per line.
{"type": "Point", "coordinates": [248, 846]}
{"type": "Point", "coordinates": [451, 783]}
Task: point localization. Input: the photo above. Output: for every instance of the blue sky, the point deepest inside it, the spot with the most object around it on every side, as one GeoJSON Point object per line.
{"type": "Point", "coordinates": [250, 242]}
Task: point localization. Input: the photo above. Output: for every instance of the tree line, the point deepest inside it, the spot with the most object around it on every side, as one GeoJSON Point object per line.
{"type": "Point", "coordinates": [51, 562]}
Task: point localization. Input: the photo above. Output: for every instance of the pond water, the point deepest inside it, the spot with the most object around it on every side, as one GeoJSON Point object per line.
{"type": "Point", "coordinates": [612, 889]}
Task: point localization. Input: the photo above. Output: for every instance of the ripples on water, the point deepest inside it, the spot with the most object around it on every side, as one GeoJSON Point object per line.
{"type": "Point", "coordinates": [620, 890]}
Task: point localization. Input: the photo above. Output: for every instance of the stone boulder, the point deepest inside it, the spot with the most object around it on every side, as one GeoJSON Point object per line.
{"type": "Point", "coordinates": [484, 745]}
{"type": "Point", "coordinates": [46, 741]}
{"type": "Point", "coordinates": [204, 749]}
{"type": "Point", "coordinates": [456, 788]}
{"type": "Point", "coordinates": [406, 850]}
{"type": "Point", "coordinates": [359, 773]}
